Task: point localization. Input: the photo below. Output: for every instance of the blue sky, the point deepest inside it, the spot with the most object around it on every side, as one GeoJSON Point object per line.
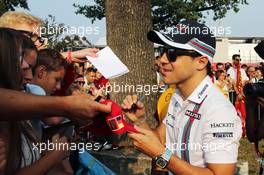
{"type": "Point", "coordinates": [248, 22]}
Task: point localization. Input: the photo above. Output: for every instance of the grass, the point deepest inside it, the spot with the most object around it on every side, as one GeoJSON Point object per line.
{"type": "Point", "coordinates": [247, 153]}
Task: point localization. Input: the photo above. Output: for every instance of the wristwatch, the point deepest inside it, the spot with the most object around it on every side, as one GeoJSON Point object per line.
{"type": "Point", "coordinates": [162, 160]}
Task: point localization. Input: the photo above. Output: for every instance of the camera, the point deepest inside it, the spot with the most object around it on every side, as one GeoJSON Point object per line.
{"type": "Point", "coordinates": [254, 89]}
{"type": "Point", "coordinates": [260, 49]}
{"type": "Point", "coordinates": [254, 93]}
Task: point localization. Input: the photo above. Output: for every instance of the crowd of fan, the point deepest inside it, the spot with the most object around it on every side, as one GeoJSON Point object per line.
{"type": "Point", "coordinates": [31, 74]}
{"type": "Point", "coordinates": [27, 66]}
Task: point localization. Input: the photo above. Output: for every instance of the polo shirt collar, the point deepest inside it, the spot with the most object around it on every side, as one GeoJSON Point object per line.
{"type": "Point", "coordinates": [201, 91]}
{"type": "Point", "coordinates": [198, 94]}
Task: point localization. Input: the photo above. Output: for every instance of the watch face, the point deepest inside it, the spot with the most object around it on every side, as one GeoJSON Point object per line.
{"type": "Point", "coordinates": [161, 162]}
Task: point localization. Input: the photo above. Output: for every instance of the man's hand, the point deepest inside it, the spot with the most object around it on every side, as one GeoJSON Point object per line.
{"type": "Point", "coordinates": [83, 108]}
{"type": "Point", "coordinates": [127, 104]}
{"type": "Point", "coordinates": [147, 142]}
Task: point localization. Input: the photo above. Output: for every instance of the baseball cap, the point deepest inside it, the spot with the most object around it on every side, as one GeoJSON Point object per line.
{"type": "Point", "coordinates": [260, 49]}
{"type": "Point", "coordinates": [187, 35]}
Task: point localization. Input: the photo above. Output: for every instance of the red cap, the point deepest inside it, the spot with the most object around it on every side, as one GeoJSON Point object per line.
{"type": "Point", "coordinates": [116, 121]}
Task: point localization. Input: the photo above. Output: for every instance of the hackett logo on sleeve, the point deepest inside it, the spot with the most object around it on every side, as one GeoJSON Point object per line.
{"type": "Point", "coordinates": [222, 125]}
{"type": "Point", "coordinates": [192, 114]}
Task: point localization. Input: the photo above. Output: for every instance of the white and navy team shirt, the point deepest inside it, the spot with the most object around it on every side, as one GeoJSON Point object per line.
{"type": "Point", "coordinates": [205, 128]}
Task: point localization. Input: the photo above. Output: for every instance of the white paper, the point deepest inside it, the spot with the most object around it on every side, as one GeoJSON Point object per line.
{"type": "Point", "coordinates": [108, 64]}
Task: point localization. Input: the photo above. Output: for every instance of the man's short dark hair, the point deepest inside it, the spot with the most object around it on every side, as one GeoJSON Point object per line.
{"type": "Point", "coordinates": [208, 66]}
{"type": "Point", "coordinates": [209, 69]}
{"type": "Point", "coordinates": [91, 69]}
{"type": "Point", "coordinates": [234, 56]}
{"type": "Point", "coordinates": [244, 66]}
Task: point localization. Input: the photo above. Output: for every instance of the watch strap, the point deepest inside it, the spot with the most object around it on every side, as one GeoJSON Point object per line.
{"type": "Point", "coordinates": [167, 154]}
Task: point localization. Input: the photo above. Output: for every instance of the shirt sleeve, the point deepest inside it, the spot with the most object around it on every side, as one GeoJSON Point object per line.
{"type": "Point", "coordinates": [244, 75]}
{"type": "Point", "coordinates": [221, 135]}
{"type": "Point", "coordinates": [231, 72]}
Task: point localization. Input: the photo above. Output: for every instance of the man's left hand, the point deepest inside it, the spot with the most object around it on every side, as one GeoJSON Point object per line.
{"type": "Point", "coordinates": [147, 142]}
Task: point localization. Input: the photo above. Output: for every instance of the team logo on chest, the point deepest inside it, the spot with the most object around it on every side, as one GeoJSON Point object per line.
{"type": "Point", "coordinates": [193, 114]}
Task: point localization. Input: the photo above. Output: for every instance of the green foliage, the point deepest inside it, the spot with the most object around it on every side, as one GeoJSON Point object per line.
{"type": "Point", "coordinates": [168, 12]}
{"type": "Point", "coordinates": [57, 39]}
{"type": "Point", "coordinates": [94, 11]}
{"type": "Point", "coordinates": [9, 5]}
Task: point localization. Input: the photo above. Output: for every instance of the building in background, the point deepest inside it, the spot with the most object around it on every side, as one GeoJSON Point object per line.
{"type": "Point", "coordinates": [226, 47]}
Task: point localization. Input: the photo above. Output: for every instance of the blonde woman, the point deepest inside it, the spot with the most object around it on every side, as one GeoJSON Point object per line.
{"type": "Point", "coordinates": [31, 26]}
{"type": "Point", "coordinates": [221, 82]}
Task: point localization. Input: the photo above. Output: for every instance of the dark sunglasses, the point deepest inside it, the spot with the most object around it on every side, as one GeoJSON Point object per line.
{"type": "Point", "coordinates": [34, 36]}
{"type": "Point", "coordinates": [173, 53]}
{"type": "Point", "coordinates": [80, 82]}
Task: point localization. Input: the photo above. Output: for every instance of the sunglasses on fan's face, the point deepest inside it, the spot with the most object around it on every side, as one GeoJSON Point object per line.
{"type": "Point", "coordinates": [173, 53]}
{"type": "Point", "coordinates": [80, 82]}
{"type": "Point", "coordinates": [34, 36]}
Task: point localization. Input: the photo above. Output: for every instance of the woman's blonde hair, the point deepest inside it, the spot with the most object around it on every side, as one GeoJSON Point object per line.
{"type": "Point", "coordinates": [13, 18]}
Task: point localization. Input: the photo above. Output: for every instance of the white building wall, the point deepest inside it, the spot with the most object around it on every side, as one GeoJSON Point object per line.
{"type": "Point", "coordinates": [221, 54]}
{"type": "Point", "coordinates": [225, 48]}
{"type": "Point", "coordinates": [246, 51]}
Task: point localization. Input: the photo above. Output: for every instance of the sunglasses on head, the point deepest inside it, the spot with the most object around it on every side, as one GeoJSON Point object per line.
{"type": "Point", "coordinates": [34, 36]}
{"type": "Point", "coordinates": [173, 53]}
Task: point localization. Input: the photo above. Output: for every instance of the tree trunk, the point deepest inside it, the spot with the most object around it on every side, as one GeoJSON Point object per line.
{"type": "Point", "coordinates": [127, 23]}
